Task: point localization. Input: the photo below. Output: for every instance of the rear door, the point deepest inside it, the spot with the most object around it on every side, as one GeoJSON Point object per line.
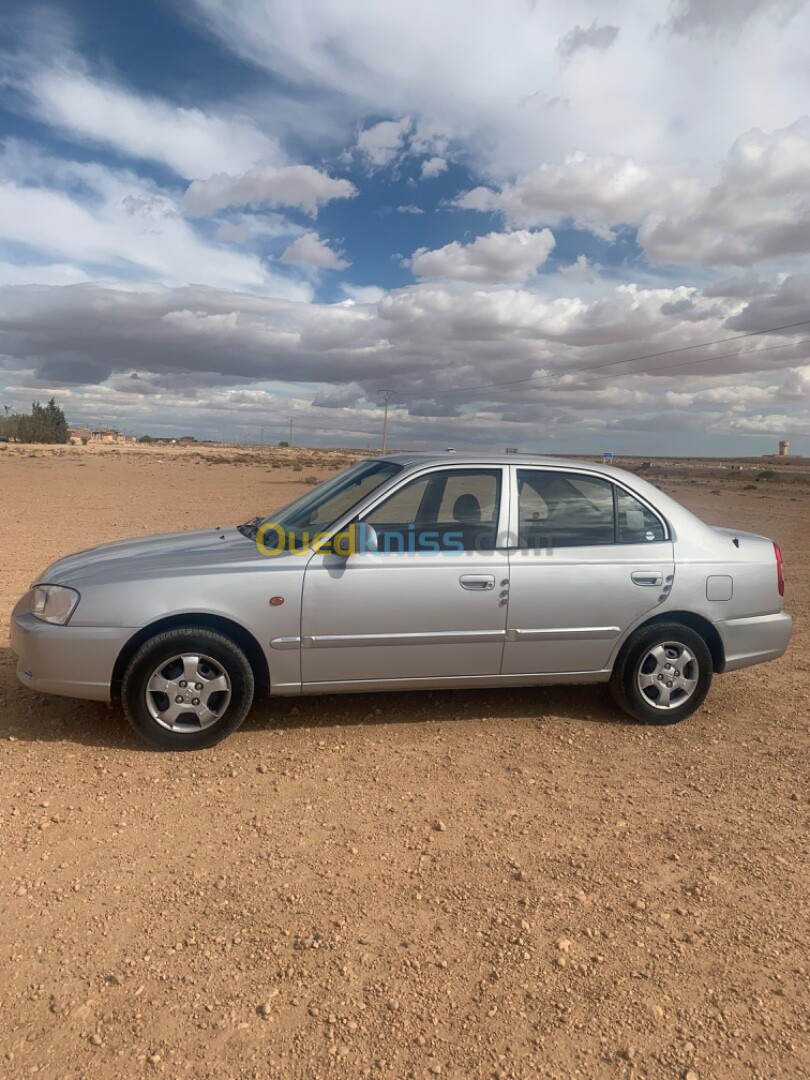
{"type": "Point", "coordinates": [591, 559]}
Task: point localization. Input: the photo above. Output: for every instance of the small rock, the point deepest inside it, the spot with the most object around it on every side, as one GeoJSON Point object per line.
{"type": "Point", "coordinates": [439, 826]}
{"type": "Point", "coordinates": [564, 945]}
{"type": "Point", "coordinates": [95, 1040]}
{"type": "Point", "coordinates": [639, 905]}
{"type": "Point", "coordinates": [154, 1059]}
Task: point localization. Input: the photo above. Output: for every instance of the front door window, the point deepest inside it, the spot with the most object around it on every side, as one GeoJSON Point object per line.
{"type": "Point", "coordinates": [448, 510]}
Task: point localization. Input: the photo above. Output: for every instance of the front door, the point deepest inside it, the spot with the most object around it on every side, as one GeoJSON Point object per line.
{"type": "Point", "coordinates": [430, 603]}
{"type": "Point", "coordinates": [592, 560]}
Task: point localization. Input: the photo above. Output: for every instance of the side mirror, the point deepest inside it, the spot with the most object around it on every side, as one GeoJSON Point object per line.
{"type": "Point", "coordinates": [366, 537]}
{"type": "Point", "coordinates": [358, 539]}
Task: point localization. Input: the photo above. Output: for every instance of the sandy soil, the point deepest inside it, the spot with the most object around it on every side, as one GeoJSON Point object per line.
{"type": "Point", "coordinates": [512, 884]}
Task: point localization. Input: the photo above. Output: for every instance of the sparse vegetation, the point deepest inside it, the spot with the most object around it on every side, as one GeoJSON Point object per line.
{"type": "Point", "coordinates": [44, 424]}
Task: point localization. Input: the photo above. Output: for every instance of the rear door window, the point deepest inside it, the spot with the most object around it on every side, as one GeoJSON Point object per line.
{"type": "Point", "coordinates": [566, 509]}
{"type": "Point", "coordinates": [559, 509]}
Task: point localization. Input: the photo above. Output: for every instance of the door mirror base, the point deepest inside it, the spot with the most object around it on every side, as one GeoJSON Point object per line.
{"type": "Point", "coordinates": [358, 539]}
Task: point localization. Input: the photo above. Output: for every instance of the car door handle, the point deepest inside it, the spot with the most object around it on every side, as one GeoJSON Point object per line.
{"type": "Point", "coordinates": [482, 582]}
{"type": "Point", "coordinates": [647, 577]}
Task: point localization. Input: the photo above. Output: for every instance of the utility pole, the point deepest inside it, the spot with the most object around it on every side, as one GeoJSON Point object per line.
{"type": "Point", "coordinates": [386, 398]}
{"type": "Point", "coordinates": [290, 439]}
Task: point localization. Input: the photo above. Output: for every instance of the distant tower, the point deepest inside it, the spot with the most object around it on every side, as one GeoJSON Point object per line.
{"type": "Point", "coordinates": [784, 449]}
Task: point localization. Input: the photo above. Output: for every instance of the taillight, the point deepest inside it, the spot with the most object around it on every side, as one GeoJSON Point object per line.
{"type": "Point", "coordinates": [780, 576]}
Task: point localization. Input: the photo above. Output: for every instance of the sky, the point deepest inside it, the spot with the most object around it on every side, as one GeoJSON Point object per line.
{"type": "Point", "coordinates": [564, 228]}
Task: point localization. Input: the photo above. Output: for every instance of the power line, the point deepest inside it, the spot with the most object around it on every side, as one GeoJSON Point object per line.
{"type": "Point", "coordinates": [586, 370]}
{"type": "Point", "coordinates": [626, 360]}
{"type": "Point", "coordinates": [705, 359]}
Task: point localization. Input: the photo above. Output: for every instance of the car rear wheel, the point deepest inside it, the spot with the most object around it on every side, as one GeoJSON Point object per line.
{"type": "Point", "coordinates": [187, 688]}
{"type": "Point", "coordinates": [663, 675]}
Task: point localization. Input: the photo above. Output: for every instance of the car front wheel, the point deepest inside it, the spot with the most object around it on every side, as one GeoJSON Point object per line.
{"type": "Point", "coordinates": [187, 688]}
{"type": "Point", "coordinates": [663, 675]}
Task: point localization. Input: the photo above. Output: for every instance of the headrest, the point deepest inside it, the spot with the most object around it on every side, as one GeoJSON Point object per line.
{"type": "Point", "coordinates": [467, 509]}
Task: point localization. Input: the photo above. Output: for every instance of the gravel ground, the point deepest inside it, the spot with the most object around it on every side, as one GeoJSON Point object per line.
{"type": "Point", "coordinates": [490, 884]}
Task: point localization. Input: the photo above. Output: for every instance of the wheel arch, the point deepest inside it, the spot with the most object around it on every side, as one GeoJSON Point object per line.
{"type": "Point", "coordinates": [242, 637]}
{"type": "Point", "coordinates": [699, 623]}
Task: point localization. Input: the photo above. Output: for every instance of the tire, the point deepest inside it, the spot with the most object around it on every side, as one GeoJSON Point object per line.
{"type": "Point", "coordinates": [645, 688]}
{"type": "Point", "coordinates": [176, 713]}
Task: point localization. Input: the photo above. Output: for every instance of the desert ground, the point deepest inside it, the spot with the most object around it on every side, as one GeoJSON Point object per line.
{"type": "Point", "coordinates": [510, 884]}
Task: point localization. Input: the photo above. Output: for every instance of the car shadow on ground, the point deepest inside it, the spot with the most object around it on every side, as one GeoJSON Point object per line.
{"type": "Point", "coordinates": [28, 717]}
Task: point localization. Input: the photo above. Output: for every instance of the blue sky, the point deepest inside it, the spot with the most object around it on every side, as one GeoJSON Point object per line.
{"type": "Point", "coordinates": [218, 215]}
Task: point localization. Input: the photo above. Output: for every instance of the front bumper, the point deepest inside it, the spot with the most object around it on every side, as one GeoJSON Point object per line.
{"type": "Point", "coordinates": [754, 640]}
{"type": "Point", "coordinates": [73, 661]}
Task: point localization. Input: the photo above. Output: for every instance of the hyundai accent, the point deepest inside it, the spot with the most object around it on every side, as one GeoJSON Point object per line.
{"type": "Point", "coordinates": [410, 572]}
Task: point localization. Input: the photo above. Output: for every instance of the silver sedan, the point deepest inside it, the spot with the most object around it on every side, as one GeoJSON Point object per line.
{"type": "Point", "coordinates": [410, 572]}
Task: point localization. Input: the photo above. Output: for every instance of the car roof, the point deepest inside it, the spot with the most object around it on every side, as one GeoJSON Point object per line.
{"type": "Point", "coordinates": [675, 513]}
{"type": "Point", "coordinates": [416, 459]}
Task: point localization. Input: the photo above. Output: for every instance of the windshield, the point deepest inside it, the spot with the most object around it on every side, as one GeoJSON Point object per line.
{"type": "Point", "coordinates": [320, 508]}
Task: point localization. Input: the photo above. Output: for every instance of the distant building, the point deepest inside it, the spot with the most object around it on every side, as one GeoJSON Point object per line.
{"type": "Point", "coordinates": [186, 440]}
{"type": "Point", "coordinates": [784, 449]}
{"type": "Point", "coordinates": [110, 437]}
{"type": "Point", "coordinates": [80, 436]}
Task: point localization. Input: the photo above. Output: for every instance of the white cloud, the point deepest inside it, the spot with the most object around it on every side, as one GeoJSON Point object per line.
{"type": "Point", "coordinates": [595, 37]}
{"type": "Point", "coordinates": [512, 256]}
{"type": "Point", "coordinates": [383, 142]}
{"type": "Point", "coordinates": [605, 190]}
{"type": "Point", "coordinates": [243, 229]}
{"type": "Point", "coordinates": [122, 227]}
{"type": "Point", "coordinates": [313, 251]}
{"type": "Point", "coordinates": [581, 270]}
{"type": "Point", "coordinates": [40, 274]}
{"type": "Point", "coordinates": [410, 209]}
{"type": "Point", "coordinates": [698, 16]}
{"type": "Point", "coordinates": [363, 294]}
{"type": "Point", "coordinates": [420, 341]}
{"type": "Point", "coordinates": [189, 141]}
{"type": "Point", "coordinates": [434, 166]}
{"type": "Point", "coordinates": [484, 75]}
{"type": "Point", "coordinates": [299, 186]}
{"type": "Point", "coordinates": [475, 84]}
{"type": "Point", "coordinates": [757, 210]}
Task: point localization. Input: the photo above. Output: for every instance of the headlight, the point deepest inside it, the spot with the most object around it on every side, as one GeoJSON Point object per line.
{"type": "Point", "coordinates": [54, 603]}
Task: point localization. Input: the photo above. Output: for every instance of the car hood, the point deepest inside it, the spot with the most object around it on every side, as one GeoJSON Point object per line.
{"type": "Point", "coordinates": [158, 556]}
